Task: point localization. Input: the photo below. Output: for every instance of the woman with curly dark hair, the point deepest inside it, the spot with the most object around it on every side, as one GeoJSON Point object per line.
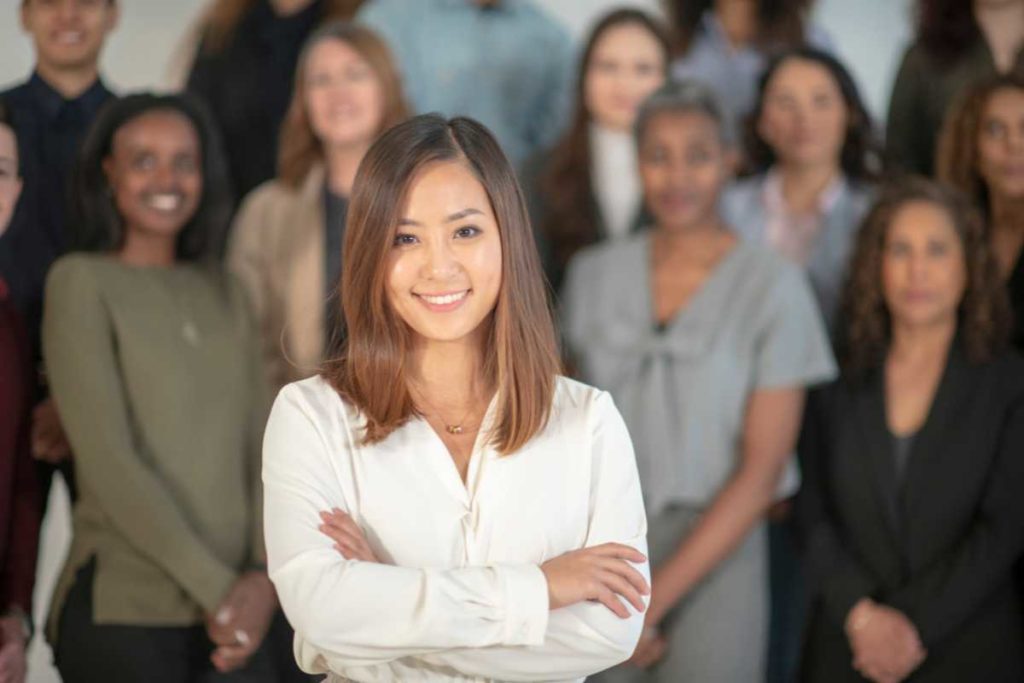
{"type": "Point", "coordinates": [981, 152]}
{"type": "Point", "coordinates": [587, 188]}
{"type": "Point", "coordinates": [727, 43]}
{"type": "Point", "coordinates": [911, 460]}
{"type": "Point", "coordinates": [812, 148]}
{"type": "Point", "coordinates": [958, 43]}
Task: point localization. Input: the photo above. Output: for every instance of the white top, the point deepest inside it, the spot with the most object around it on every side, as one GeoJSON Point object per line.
{"type": "Point", "coordinates": [615, 177]}
{"type": "Point", "coordinates": [461, 596]}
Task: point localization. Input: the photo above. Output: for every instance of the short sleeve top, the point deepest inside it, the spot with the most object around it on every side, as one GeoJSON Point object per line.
{"type": "Point", "coordinates": [683, 389]}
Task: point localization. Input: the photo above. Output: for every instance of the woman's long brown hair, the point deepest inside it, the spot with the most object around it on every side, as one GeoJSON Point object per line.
{"type": "Point", "coordinates": [520, 351]}
{"type": "Point", "coordinates": [299, 149]}
{"type": "Point", "coordinates": [569, 221]}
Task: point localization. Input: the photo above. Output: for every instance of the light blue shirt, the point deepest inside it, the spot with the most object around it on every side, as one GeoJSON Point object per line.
{"type": "Point", "coordinates": [509, 66]}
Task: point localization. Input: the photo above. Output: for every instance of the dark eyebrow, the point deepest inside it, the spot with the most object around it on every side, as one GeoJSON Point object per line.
{"type": "Point", "coordinates": [457, 216]}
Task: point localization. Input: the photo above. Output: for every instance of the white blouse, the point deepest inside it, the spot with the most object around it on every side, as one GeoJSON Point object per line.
{"type": "Point", "coordinates": [461, 596]}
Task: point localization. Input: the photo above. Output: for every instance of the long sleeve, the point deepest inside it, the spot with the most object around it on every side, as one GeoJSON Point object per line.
{"type": "Point", "coordinates": [350, 614]}
{"type": "Point", "coordinates": [948, 593]}
{"type": "Point", "coordinates": [835, 574]}
{"type": "Point", "coordinates": [83, 366]}
{"type": "Point", "coordinates": [586, 637]}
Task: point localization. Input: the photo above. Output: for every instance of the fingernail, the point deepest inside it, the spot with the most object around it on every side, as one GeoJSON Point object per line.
{"type": "Point", "coordinates": [223, 616]}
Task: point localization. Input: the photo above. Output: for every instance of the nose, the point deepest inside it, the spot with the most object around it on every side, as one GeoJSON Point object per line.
{"type": "Point", "coordinates": [68, 9]}
{"type": "Point", "coordinates": [440, 262]}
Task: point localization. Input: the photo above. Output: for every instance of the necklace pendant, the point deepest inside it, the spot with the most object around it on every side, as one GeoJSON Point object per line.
{"type": "Point", "coordinates": [454, 429]}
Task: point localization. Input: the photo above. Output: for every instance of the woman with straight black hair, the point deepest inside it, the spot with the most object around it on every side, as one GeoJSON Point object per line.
{"type": "Point", "coordinates": [154, 366]}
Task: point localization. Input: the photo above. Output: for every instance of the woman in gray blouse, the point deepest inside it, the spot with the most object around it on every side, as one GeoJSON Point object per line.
{"type": "Point", "coordinates": [707, 343]}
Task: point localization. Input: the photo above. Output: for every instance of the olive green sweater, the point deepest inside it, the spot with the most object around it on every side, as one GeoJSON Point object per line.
{"type": "Point", "coordinates": [156, 376]}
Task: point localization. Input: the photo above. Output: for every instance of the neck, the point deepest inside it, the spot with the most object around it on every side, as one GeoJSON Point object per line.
{"type": "Point", "coordinates": [284, 8]}
{"type": "Point", "coordinates": [450, 374]}
{"type": "Point", "coordinates": [919, 342]}
{"type": "Point", "coordinates": [803, 185]}
{"type": "Point", "coordinates": [144, 250]}
{"type": "Point", "coordinates": [342, 164]}
{"type": "Point", "coordinates": [1002, 25]}
{"type": "Point", "coordinates": [738, 19]}
{"type": "Point", "coordinates": [685, 237]}
{"type": "Point", "coordinates": [70, 83]}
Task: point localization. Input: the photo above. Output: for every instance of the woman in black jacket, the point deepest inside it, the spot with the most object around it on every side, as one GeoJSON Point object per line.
{"type": "Point", "coordinates": [913, 459]}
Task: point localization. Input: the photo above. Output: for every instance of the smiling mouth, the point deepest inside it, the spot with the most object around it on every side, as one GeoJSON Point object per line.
{"type": "Point", "coordinates": [443, 302]}
{"type": "Point", "coordinates": [165, 202]}
{"type": "Point", "coordinates": [70, 37]}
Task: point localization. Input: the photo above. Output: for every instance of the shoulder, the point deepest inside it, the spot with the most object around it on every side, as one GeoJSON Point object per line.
{"type": "Point", "coordinates": [76, 270]}
{"type": "Point", "coordinates": [1007, 370]}
{"type": "Point", "coordinates": [268, 195]}
{"type": "Point", "coordinates": [316, 400]}
{"type": "Point", "coordinates": [260, 212]}
{"type": "Point", "coordinates": [743, 194]}
{"type": "Point", "coordinates": [582, 405]}
{"type": "Point", "coordinates": [542, 22]}
{"type": "Point", "coordinates": [15, 94]}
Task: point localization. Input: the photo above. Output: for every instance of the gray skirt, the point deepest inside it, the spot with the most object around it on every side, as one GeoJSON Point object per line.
{"type": "Point", "coordinates": [718, 632]}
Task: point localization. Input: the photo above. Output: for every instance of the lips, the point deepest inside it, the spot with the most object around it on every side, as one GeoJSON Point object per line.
{"type": "Point", "coordinates": [443, 301]}
{"type": "Point", "coordinates": [69, 37]}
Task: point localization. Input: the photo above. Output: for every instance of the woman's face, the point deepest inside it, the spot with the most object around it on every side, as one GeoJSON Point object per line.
{"type": "Point", "coordinates": [683, 165]}
{"type": "Point", "coordinates": [344, 96]}
{"type": "Point", "coordinates": [924, 273]}
{"type": "Point", "coordinates": [804, 117]}
{"type": "Point", "coordinates": [444, 271]}
{"type": "Point", "coordinates": [626, 65]}
{"type": "Point", "coordinates": [1001, 143]}
{"type": "Point", "coordinates": [154, 170]}
{"type": "Point", "coordinates": [10, 179]}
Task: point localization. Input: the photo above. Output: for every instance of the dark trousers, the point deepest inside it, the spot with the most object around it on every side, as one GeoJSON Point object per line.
{"type": "Point", "coordinates": [87, 652]}
{"type": "Point", "coordinates": [789, 600]}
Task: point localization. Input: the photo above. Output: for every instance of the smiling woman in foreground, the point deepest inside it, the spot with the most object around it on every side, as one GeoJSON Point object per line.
{"type": "Point", "coordinates": [439, 502]}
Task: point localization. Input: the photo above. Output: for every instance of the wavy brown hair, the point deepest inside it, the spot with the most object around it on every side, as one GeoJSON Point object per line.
{"type": "Point", "coordinates": [299, 149]}
{"type": "Point", "coordinates": [780, 22]}
{"type": "Point", "coordinates": [956, 161]}
{"type": "Point", "coordinates": [569, 220]}
{"type": "Point", "coordinates": [223, 18]}
{"type": "Point", "coordinates": [520, 350]}
{"type": "Point", "coordinates": [983, 319]}
{"type": "Point", "coordinates": [859, 157]}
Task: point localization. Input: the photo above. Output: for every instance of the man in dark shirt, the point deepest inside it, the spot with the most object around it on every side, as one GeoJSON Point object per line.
{"type": "Point", "coordinates": [51, 112]}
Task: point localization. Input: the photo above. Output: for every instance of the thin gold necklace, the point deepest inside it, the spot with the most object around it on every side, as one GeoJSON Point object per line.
{"type": "Point", "coordinates": [456, 428]}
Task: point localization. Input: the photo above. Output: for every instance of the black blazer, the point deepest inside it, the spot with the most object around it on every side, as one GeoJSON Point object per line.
{"type": "Point", "coordinates": [941, 547]}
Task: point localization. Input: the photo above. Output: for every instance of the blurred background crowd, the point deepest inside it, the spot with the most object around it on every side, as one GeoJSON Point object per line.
{"type": "Point", "coordinates": [797, 271]}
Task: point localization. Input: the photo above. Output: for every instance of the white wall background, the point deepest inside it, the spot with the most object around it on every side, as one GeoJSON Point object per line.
{"type": "Point", "coordinates": [149, 50]}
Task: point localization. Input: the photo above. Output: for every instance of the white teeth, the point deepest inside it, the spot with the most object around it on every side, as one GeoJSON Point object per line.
{"type": "Point", "coordinates": [446, 299]}
{"type": "Point", "coordinates": [68, 37]}
{"type": "Point", "coordinates": [164, 202]}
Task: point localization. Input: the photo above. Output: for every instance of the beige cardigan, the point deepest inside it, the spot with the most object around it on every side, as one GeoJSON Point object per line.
{"type": "Point", "coordinates": [277, 251]}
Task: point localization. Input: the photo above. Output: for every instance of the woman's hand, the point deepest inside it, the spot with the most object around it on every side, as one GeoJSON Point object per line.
{"type": "Point", "coordinates": [49, 442]}
{"type": "Point", "coordinates": [348, 538]}
{"type": "Point", "coordinates": [886, 646]}
{"type": "Point", "coordinates": [601, 573]}
{"type": "Point", "coordinates": [242, 621]}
